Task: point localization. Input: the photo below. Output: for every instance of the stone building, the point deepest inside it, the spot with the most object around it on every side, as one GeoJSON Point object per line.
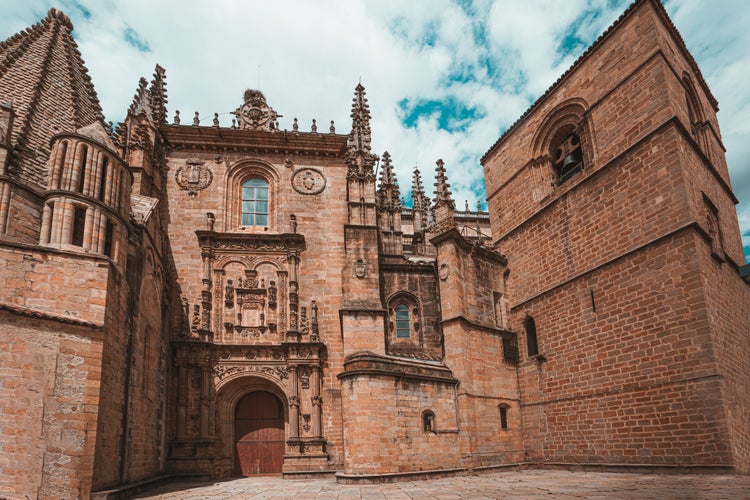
{"type": "Point", "coordinates": [211, 301]}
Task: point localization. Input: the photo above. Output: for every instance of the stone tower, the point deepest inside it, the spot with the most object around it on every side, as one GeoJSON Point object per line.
{"type": "Point", "coordinates": [613, 206]}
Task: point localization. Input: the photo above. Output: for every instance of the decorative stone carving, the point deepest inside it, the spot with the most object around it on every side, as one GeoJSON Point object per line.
{"type": "Point", "coordinates": [223, 371]}
{"type": "Point", "coordinates": [196, 317]}
{"type": "Point", "coordinates": [308, 181]}
{"type": "Point", "coordinates": [303, 328]}
{"type": "Point", "coordinates": [314, 323]}
{"type": "Point", "coordinates": [443, 272]}
{"type": "Point", "coordinates": [255, 113]}
{"type": "Point", "coordinates": [194, 176]}
{"type": "Point", "coordinates": [306, 419]}
{"type": "Point", "coordinates": [176, 120]}
{"type": "Point", "coordinates": [360, 268]}
{"type": "Point", "coordinates": [304, 377]}
{"type": "Point", "coordinates": [272, 294]}
{"type": "Point", "coordinates": [229, 295]}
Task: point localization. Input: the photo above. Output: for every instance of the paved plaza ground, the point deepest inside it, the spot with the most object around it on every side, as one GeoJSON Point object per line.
{"type": "Point", "coordinates": [534, 484]}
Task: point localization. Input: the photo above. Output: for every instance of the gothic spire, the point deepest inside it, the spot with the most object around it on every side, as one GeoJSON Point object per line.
{"type": "Point", "coordinates": [388, 192]}
{"type": "Point", "coordinates": [151, 100]}
{"type": "Point", "coordinates": [442, 192]}
{"type": "Point", "coordinates": [359, 156]}
{"type": "Point", "coordinates": [420, 203]}
{"type": "Point", "coordinates": [444, 204]}
{"type": "Point", "coordinates": [158, 91]}
{"type": "Point", "coordinates": [43, 76]}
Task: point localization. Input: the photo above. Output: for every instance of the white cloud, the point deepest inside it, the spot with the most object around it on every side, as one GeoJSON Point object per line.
{"type": "Point", "coordinates": [494, 57]}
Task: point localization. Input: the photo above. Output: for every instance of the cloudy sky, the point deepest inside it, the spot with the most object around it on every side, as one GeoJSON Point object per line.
{"type": "Point", "coordinates": [444, 78]}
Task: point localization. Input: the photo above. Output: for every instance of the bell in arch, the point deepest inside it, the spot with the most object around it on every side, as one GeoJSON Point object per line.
{"type": "Point", "coordinates": [569, 158]}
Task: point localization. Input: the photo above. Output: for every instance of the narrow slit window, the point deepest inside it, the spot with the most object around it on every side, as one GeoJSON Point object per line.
{"type": "Point", "coordinates": [108, 237]}
{"type": "Point", "coordinates": [103, 179]}
{"type": "Point", "coordinates": [531, 341]}
{"type": "Point", "coordinates": [79, 223]}
{"type": "Point", "coordinates": [82, 171]}
{"type": "Point", "coordinates": [504, 418]}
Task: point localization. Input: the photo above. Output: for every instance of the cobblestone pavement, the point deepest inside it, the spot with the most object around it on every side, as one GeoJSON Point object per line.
{"type": "Point", "coordinates": [534, 484]}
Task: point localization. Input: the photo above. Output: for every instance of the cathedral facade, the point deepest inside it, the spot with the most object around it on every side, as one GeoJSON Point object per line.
{"type": "Point", "coordinates": [209, 301]}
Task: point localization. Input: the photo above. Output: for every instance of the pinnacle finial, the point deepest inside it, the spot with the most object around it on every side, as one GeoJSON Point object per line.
{"type": "Point", "coordinates": [442, 192]}
{"type": "Point", "coordinates": [444, 204]}
{"type": "Point", "coordinates": [388, 191]}
{"type": "Point", "coordinates": [359, 157]}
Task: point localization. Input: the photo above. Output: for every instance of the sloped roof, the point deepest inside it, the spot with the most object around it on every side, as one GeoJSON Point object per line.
{"type": "Point", "coordinates": [43, 76]}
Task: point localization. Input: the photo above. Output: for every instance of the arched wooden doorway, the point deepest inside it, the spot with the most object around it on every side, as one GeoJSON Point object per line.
{"type": "Point", "coordinates": [258, 434]}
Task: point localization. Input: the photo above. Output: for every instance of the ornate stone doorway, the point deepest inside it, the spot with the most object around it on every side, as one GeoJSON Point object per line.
{"type": "Point", "coordinates": [259, 434]}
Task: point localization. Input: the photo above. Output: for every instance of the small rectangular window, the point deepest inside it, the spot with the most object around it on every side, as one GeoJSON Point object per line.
{"type": "Point", "coordinates": [504, 418]}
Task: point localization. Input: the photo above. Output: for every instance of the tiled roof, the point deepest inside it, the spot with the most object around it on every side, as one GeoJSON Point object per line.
{"type": "Point", "coordinates": [44, 78]}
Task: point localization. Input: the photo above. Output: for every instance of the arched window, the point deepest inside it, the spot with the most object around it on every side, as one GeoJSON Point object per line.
{"type": "Point", "coordinates": [531, 342]}
{"type": "Point", "coordinates": [403, 326]}
{"type": "Point", "coordinates": [255, 202]}
{"type": "Point", "coordinates": [428, 421]}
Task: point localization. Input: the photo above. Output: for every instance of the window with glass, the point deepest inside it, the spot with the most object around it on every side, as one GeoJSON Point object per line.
{"type": "Point", "coordinates": [403, 328]}
{"type": "Point", "coordinates": [255, 202]}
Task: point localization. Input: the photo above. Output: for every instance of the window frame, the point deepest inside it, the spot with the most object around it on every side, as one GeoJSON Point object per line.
{"type": "Point", "coordinates": [257, 184]}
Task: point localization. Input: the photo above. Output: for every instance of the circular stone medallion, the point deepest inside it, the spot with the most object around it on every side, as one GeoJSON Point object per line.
{"type": "Point", "coordinates": [308, 181]}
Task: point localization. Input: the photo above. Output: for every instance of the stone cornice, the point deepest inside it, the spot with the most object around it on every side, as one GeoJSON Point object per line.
{"type": "Point", "coordinates": [190, 138]}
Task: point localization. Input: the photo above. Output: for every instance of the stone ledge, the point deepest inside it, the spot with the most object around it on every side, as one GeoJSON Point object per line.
{"type": "Point", "coordinates": [131, 489]}
{"type": "Point", "coordinates": [370, 364]}
{"type": "Point", "coordinates": [633, 468]}
{"type": "Point", "coordinates": [392, 477]}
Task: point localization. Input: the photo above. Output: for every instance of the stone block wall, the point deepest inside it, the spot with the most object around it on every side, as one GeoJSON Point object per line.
{"type": "Point", "coordinates": [48, 407]}
{"type": "Point", "coordinates": [384, 403]}
{"type": "Point", "coordinates": [52, 332]}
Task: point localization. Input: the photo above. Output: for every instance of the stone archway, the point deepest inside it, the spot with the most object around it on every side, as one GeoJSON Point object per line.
{"type": "Point", "coordinates": [258, 434]}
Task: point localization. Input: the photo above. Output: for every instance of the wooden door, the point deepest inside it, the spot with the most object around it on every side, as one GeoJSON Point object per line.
{"type": "Point", "coordinates": [258, 434]}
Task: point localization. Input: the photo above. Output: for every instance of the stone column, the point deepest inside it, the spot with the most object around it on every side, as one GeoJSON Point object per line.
{"type": "Point", "coordinates": [293, 292]}
{"type": "Point", "coordinates": [293, 404]}
{"type": "Point", "coordinates": [317, 402]}
{"type": "Point", "coordinates": [182, 392]}
{"type": "Point", "coordinates": [88, 229]}
{"type": "Point", "coordinates": [207, 257]}
{"type": "Point", "coordinates": [4, 206]}
{"type": "Point", "coordinates": [205, 401]}
{"type": "Point", "coordinates": [44, 234]}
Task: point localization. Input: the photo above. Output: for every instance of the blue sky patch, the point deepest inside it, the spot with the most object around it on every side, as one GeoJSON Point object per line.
{"type": "Point", "coordinates": [73, 5]}
{"type": "Point", "coordinates": [452, 114]}
{"type": "Point", "coordinates": [135, 40]}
